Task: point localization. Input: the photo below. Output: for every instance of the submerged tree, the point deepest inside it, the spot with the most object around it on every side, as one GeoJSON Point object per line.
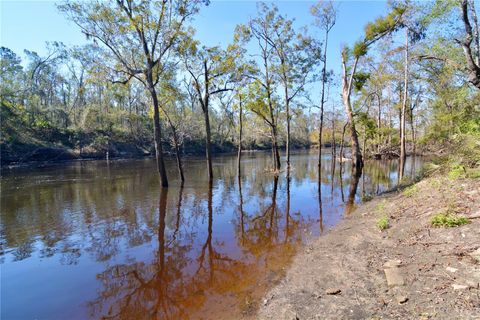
{"type": "Point", "coordinates": [260, 29]}
{"type": "Point", "coordinates": [325, 17]}
{"type": "Point", "coordinates": [209, 69]}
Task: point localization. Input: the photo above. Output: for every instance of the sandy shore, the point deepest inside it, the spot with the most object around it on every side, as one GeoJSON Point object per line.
{"type": "Point", "coordinates": [411, 270]}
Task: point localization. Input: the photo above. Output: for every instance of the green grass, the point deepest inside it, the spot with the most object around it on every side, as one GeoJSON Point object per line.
{"type": "Point", "coordinates": [410, 191]}
{"type": "Point", "coordinates": [383, 223]}
{"type": "Point", "coordinates": [448, 220]}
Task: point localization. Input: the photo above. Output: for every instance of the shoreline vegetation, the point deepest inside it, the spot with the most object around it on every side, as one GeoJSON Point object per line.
{"type": "Point", "coordinates": [40, 154]}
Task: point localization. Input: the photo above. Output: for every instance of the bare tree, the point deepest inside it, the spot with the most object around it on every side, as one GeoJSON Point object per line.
{"type": "Point", "coordinates": [139, 37]}
{"type": "Point", "coordinates": [325, 17]}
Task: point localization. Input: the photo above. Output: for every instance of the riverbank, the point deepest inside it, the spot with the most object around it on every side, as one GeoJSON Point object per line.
{"type": "Point", "coordinates": [410, 270]}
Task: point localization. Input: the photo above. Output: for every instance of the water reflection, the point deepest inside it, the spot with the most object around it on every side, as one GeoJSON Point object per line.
{"type": "Point", "coordinates": [104, 240]}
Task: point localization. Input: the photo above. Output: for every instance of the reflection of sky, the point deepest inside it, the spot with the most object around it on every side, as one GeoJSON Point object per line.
{"type": "Point", "coordinates": [63, 225]}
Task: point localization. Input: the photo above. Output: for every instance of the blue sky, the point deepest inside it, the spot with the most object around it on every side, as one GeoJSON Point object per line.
{"type": "Point", "coordinates": [29, 24]}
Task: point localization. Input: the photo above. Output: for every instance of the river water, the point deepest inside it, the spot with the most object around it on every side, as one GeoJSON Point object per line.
{"type": "Point", "coordinates": [103, 240]}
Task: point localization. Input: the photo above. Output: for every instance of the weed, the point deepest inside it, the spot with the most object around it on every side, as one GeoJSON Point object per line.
{"type": "Point", "coordinates": [381, 206]}
{"type": "Point", "coordinates": [410, 191]}
{"type": "Point", "coordinates": [457, 171]}
{"type": "Point", "coordinates": [448, 219]}
{"type": "Point", "coordinates": [382, 223]}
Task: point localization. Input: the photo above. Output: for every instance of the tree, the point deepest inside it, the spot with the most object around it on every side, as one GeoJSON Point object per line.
{"type": "Point", "coordinates": [171, 96]}
{"type": "Point", "coordinates": [413, 33]}
{"type": "Point", "coordinates": [10, 72]}
{"type": "Point", "coordinates": [209, 69]}
{"type": "Point", "coordinates": [264, 106]}
{"type": "Point", "coordinates": [139, 36]}
{"type": "Point", "coordinates": [373, 32]}
{"type": "Point", "coordinates": [472, 55]}
{"type": "Point", "coordinates": [325, 17]}
{"type": "Point", "coordinates": [296, 56]}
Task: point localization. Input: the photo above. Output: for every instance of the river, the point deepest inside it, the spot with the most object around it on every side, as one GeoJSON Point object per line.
{"type": "Point", "coordinates": [100, 239]}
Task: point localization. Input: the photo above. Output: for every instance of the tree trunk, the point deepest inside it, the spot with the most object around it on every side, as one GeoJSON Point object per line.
{"type": "Point", "coordinates": [334, 147]}
{"type": "Point", "coordinates": [341, 147]}
{"type": "Point", "coordinates": [205, 105]}
{"type": "Point", "coordinates": [157, 131]}
{"type": "Point", "coordinates": [473, 66]}
{"type": "Point", "coordinates": [177, 155]}
{"type": "Point", "coordinates": [379, 123]}
{"type": "Point", "coordinates": [240, 131]}
{"type": "Point", "coordinates": [476, 31]}
{"type": "Point", "coordinates": [176, 146]}
{"type": "Point", "coordinates": [357, 158]}
{"type": "Point", "coordinates": [414, 138]}
{"type": "Point", "coordinates": [403, 151]}
{"type": "Point", "coordinates": [287, 109]}
{"type": "Point", "coordinates": [276, 154]}
{"type": "Point", "coordinates": [208, 144]}
{"type": "Point", "coordinates": [322, 101]}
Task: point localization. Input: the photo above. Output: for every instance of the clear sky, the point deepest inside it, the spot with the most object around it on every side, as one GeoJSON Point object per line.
{"type": "Point", "coordinates": [29, 24]}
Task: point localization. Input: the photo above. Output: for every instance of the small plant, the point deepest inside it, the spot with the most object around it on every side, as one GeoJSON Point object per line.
{"type": "Point", "coordinates": [448, 219]}
{"type": "Point", "coordinates": [381, 206]}
{"type": "Point", "coordinates": [457, 171]}
{"type": "Point", "coordinates": [410, 191]}
{"type": "Point", "coordinates": [473, 173]}
{"type": "Point", "coordinates": [382, 223]}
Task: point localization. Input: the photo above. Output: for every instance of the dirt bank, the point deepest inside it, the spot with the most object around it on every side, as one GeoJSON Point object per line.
{"type": "Point", "coordinates": [434, 273]}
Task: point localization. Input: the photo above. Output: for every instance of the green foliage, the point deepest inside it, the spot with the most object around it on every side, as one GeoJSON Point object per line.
{"type": "Point", "coordinates": [448, 219]}
{"type": "Point", "coordinates": [384, 25]}
{"type": "Point", "coordinates": [410, 191]}
{"type": "Point", "coordinates": [360, 78]}
{"type": "Point", "coordinates": [383, 223]}
{"type": "Point", "coordinates": [360, 49]}
{"type": "Point", "coordinates": [457, 171]}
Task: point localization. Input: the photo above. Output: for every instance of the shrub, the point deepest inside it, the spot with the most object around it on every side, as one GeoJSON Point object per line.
{"type": "Point", "coordinates": [410, 191]}
{"type": "Point", "coordinates": [448, 219]}
{"type": "Point", "coordinates": [382, 223]}
{"type": "Point", "coordinates": [456, 171]}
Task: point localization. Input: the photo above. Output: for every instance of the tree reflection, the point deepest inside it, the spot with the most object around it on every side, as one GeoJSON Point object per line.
{"type": "Point", "coordinates": [352, 191]}
{"type": "Point", "coordinates": [142, 290]}
{"type": "Point", "coordinates": [320, 206]}
{"type": "Point", "coordinates": [168, 254]}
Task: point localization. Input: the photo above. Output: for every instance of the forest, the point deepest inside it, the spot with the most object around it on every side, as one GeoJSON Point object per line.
{"type": "Point", "coordinates": [145, 86]}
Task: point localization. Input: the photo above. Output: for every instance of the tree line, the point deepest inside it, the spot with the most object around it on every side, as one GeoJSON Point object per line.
{"type": "Point", "coordinates": [144, 72]}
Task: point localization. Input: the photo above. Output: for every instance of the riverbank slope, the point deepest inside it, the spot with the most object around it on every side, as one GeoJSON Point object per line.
{"type": "Point", "coordinates": [411, 270]}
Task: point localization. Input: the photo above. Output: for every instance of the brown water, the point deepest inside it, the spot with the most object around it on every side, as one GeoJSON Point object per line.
{"type": "Point", "coordinates": [97, 239]}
